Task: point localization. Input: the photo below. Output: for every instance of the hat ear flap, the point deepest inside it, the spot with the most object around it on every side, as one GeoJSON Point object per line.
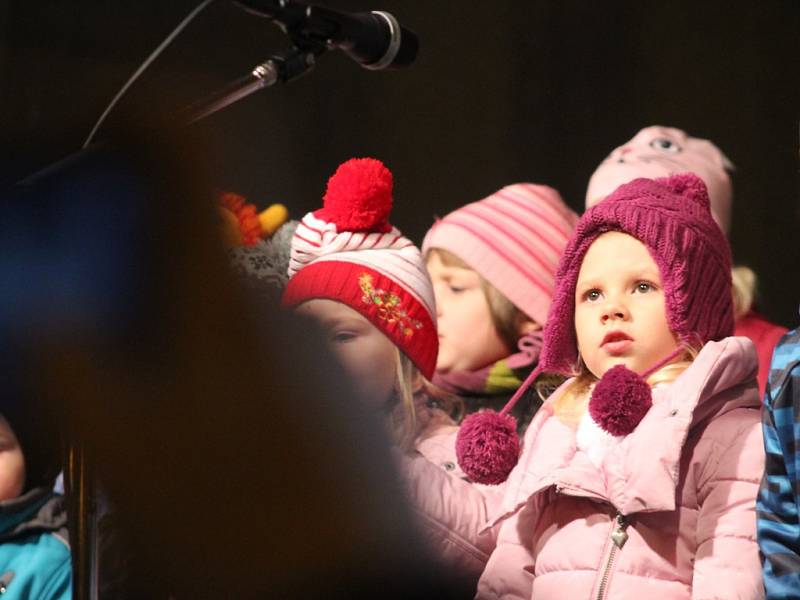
{"type": "Point", "coordinates": [690, 186]}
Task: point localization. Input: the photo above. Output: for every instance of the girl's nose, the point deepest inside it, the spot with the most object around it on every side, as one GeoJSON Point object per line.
{"type": "Point", "coordinates": [614, 311]}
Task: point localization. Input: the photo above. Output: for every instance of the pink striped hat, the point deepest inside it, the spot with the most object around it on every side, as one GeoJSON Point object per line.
{"type": "Point", "coordinates": [347, 251]}
{"type": "Point", "coordinates": [513, 239]}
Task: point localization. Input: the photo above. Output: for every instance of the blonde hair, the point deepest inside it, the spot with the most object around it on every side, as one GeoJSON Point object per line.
{"type": "Point", "coordinates": [745, 285]}
{"type": "Point", "coordinates": [570, 407]}
{"type": "Point", "coordinates": [410, 383]}
{"type": "Point", "coordinates": [506, 317]}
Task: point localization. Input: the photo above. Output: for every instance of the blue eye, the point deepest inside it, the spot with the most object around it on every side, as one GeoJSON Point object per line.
{"type": "Point", "coordinates": [665, 145]}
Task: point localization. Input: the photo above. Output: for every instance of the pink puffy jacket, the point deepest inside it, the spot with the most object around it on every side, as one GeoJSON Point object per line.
{"type": "Point", "coordinates": [669, 514]}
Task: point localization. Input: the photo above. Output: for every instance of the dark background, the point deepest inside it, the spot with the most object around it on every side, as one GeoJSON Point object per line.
{"type": "Point", "coordinates": [501, 92]}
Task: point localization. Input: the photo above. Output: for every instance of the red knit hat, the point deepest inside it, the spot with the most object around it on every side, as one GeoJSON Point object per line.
{"type": "Point", "coordinates": [672, 218]}
{"type": "Point", "coordinates": [347, 251]}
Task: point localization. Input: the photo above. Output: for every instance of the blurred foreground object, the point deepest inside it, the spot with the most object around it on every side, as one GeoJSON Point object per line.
{"type": "Point", "coordinates": [235, 460]}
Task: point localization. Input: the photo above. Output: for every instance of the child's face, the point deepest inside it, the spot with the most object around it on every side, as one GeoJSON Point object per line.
{"type": "Point", "coordinates": [468, 339]}
{"type": "Point", "coordinates": [620, 314]}
{"type": "Point", "coordinates": [12, 463]}
{"type": "Point", "coordinates": [369, 357]}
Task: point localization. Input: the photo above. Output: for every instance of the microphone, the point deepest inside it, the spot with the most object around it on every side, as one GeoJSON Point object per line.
{"type": "Point", "coordinates": [375, 40]}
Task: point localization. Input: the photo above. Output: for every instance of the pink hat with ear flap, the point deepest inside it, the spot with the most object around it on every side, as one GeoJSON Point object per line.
{"type": "Point", "coordinates": [672, 218]}
{"type": "Point", "coordinates": [662, 151]}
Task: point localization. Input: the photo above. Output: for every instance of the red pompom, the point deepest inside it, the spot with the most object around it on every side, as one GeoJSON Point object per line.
{"type": "Point", "coordinates": [620, 400]}
{"type": "Point", "coordinates": [487, 447]}
{"type": "Point", "coordinates": [359, 197]}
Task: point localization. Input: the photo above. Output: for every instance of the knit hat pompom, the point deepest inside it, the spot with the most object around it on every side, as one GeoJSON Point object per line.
{"type": "Point", "coordinates": [487, 447]}
{"type": "Point", "coordinates": [359, 197]}
{"type": "Point", "coordinates": [689, 186]}
{"type": "Point", "coordinates": [620, 399]}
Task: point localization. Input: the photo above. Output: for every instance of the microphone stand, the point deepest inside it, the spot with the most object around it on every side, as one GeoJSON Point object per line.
{"type": "Point", "coordinates": [277, 68]}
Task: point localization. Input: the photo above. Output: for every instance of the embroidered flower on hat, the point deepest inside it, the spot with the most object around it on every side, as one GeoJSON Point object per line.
{"type": "Point", "coordinates": [389, 305]}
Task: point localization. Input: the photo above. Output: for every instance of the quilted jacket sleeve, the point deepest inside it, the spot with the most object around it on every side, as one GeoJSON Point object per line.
{"type": "Point", "coordinates": [452, 515]}
{"type": "Point", "coordinates": [727, 564]}
{"type": "Point", "coordinates": [509, 572]}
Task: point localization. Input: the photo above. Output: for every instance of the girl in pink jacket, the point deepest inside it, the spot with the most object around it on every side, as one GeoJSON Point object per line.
{"type": "Point", "coordinates": [638, 476]}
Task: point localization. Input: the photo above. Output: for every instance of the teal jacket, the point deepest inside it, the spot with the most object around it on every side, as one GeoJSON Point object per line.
{"type": "Point", "coordinates": [34, 551]}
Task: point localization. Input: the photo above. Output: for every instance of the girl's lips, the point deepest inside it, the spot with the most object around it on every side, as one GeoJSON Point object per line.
{"type": "Point", "coordinates": [617, 347]}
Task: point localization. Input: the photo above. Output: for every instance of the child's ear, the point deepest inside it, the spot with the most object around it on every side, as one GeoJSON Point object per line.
{"type": "Point", "coordinates": [527, 325]}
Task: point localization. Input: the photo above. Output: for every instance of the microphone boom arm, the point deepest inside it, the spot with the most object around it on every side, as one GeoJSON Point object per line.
{"type": "Point", "coordinates": [278, 68]}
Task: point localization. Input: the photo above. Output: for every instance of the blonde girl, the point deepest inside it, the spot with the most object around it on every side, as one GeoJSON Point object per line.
{"type": "Point", "coordinates": [365, 284]}
{"type": "Point", "coordinates": [637, 478]}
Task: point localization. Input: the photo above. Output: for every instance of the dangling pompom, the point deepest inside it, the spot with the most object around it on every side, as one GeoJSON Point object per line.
{"type": "Point", "coordinates": [620, 400]}
{"type": "Point", "coordinates": [359, 197]}
{"type": "Point", "coordinates": [487, 447]}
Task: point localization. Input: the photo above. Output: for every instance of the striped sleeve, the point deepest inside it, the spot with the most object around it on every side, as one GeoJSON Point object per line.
{"type": "Point", "coordinates": [779, 494]}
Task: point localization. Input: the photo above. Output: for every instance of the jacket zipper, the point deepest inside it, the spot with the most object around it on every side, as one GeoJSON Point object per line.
{"type": "Point", "coordinates": [618, 538]}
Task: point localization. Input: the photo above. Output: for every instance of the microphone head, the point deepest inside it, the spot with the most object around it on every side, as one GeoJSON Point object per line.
{"type": "Point", "coordinates": [409, 46]}
{"type": "Point", "coordinates": [379, 42]}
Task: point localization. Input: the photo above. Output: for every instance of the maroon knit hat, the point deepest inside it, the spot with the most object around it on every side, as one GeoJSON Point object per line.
{"type": "Point", "coordinates": [671, 216]}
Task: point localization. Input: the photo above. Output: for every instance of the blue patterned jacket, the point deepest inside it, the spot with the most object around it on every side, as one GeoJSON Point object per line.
{"type": "Point", "coordinates": [779, 497]}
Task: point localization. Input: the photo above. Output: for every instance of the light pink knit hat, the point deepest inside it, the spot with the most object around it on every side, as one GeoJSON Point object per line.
{"type": "Point", "coordinates": [513, 239]}
{"type": "Point", "coordinates": [347, 251]}
{"type": "Point", "coordinates": [662, 151]}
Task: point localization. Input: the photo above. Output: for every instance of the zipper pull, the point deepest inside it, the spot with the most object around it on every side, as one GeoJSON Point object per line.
{"type": "Point", "coordinates": [619, 536]}
{"type": "Point", "coordinates": [5, 580]}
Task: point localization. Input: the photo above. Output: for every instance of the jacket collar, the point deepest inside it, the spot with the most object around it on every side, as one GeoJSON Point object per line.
{"type": "Point", "coordinates": [38, 509]}
{"type": "Point", "coordinates": [641, 473]}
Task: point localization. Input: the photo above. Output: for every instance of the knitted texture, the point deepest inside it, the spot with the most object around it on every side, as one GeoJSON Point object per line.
{"type": "Point", "coordinates": [513, 239]}
{"type": "Point", "coordinates": [373, 270]}
{"type": "Point", "coordinates": [263, 266]}
{"type": "Point", "coordinates": [660, 152]}
{"type": "Point", "coordinates": [620, 400]}
{"type": "Point", "coordinates": [487, 446]}
{"type": "Point", "coordinates": [359, 196]}
{"type": "Point", "coordinates": [671, 217]}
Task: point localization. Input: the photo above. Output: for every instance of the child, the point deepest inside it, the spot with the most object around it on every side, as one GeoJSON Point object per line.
{"type": "Point", "coordinates": [493, 264]}
{"type": "Point", "coordinates": [34, 552]}
{"type": "Point", "coordinates": [359, 277]}
{"type": "Point", "coordinates": [661, 151]}
{"type": "Point", "coordinates": [638, 476]}
{"type": "Point", "coordinates": [779, 496]}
